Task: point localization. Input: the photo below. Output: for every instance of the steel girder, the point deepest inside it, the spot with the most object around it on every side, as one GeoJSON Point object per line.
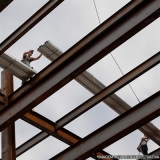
{"type": "Point", "coordinates": [106, 92]}
{"type": "Point", "coordinates": [4, 4]}
{"type": "Point", "coordinates": [62, 134]}
{"type": "Point", "coordinates": [114, 130]}
{"type": "Point", "coordinates": [30, 23]}
{"type": "Point", "coordinates": [94, 86]}
{"type": "Point", "coordinates": [81, 56]}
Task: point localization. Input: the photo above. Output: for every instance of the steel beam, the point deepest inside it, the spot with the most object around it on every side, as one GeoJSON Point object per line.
{"type": "Point", "coordinates": [94, 86]}
{"type": "Point", "coordinates": [80, 57]}
{"type": "Point", "coordinates": [114, 130]}
{"type": "Point", "coordinates": [31, 143]}
{"type": "Point", "coordinates": [116, 23]}
{"type": "Point", "coordinates": [8, 134]}
{"type": "Point", "coordinates": [4, 4]}
{"type": "Point", "coordinates": [153, 155]}
{"type": "Point", "coordinates": [142, 68]}
{"type": "Point", "coordinates": [62, 134]}
{"type": "Point", "coordinates": [29, 24]}
{"type": "Point", "coordinates": [155, 152]}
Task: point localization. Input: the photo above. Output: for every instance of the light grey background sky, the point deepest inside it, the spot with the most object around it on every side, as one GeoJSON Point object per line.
{"type": "Point", "coordinates": [64, 26]}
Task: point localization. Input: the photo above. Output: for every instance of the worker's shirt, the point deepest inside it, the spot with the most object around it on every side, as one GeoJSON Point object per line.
{"type": "Point", "coordinates": [27, 60]}
{"type": "Point", "coordinates": [144, 141]}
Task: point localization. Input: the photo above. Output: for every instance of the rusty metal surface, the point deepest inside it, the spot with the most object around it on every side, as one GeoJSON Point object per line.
{"type": "Point", "coordinates": [86, 80]}
{"type": "Point", "coordinates": [62, 134]}
{"type": "Point", "coordinates": [4, 4]}
{"type": "Point", "coordinates": [30, 23]}
{"type": "Point", "coordinates": [78, 59]}
{"type": "Point", "coordinates": [31, 143]}
{"type": "Point", "coordinates": [142, 68]}
{"type": "Point", "coordinates": [116, 19]}
{"type": "Point", "coordinates": [114, 130]}
{"type": "Point", "coordinates": [8, 134]}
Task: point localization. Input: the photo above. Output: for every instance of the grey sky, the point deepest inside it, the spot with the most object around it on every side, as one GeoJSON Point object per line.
{"type": "Point", "coordinates": [65, 26]}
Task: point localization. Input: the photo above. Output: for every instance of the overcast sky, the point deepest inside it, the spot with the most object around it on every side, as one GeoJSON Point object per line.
{"type": "Point", "coordinates": [64, 26]}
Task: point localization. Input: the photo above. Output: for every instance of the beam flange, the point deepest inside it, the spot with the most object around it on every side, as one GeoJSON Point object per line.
{"type": "Point", "coordinates": [114, 130]}
{"type": "Point", "coordinates": [79, 58]}
{"type": "Point", "coordinates": [142, 68]}
{"type": "Point", "coordinates": [62, 134]}
{"type": "Point", "coordinates": [95, 86]}
{"type": "Point", "coordinates": [4, 4]}
{"type": "Point", "coordinates": [30, 23]}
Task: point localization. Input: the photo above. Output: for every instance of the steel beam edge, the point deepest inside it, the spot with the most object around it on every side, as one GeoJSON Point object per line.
{"type": "Point", "coordinates": [4, 4]}
{"type": "Point", "coordinates": [114, 130]}
{"type": "Point", "coordinates": [63, 134]}
{"type": "Point", "coordinates": [29, 24]}
{"type": "Point", "coordinates": [93, 85]}
{"type": "Point", "coordinates": [106, 92]}
{"type": "Point", "coordinates": [78, 59]}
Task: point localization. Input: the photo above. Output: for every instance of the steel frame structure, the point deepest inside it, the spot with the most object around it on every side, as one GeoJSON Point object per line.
{"type": "Point", "coordinates": [128, 21]}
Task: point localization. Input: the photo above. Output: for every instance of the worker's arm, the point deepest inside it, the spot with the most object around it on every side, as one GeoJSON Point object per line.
{"type": "Point", "coordinates": [37, 57]}
{"type": "Point", "coordinates": [25, 53]}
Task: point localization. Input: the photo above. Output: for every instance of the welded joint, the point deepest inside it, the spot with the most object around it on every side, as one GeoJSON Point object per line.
{"type": "Point", "coordinates": [3, 99]}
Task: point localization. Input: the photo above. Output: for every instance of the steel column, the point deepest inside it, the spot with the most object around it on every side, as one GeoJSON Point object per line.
{"type": "Point", "coordinates": [114, 130]}
{"type": "Point", "coordinates": [8, 134]}
{"type": "Point", "coordinates": [78, 59]}
{"type": "Point", "coordinates": [29, 24]}
{"type": "Point", "coordinates": [142, 68]}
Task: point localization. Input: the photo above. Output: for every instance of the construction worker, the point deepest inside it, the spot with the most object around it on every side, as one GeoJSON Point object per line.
{"type": "Point", "coordinates": [27, 59]}
{"type": "Point", "coordinates": [143, 145]}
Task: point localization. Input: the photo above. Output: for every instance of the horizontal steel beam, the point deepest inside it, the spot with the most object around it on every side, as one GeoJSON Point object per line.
{"type": "Point", "coordinates": [47, 126]}
{"type": "Point", "coordinates": [29, 24]}
{"type": "Point", "coordinates": [114, 130]}
{"type": "Point", "coordinates": [142, 68]}
{"type": "Point", "coordinates": [79, 58]}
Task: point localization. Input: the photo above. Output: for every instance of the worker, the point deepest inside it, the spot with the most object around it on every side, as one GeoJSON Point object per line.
{"type": "Point", "coordinates": [143, 145]}
{"type": "Point", "coordinates": [27, 59]}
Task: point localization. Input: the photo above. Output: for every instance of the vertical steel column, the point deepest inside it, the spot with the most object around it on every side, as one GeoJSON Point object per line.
{"type": "Point", "coordinates": [8, 134]}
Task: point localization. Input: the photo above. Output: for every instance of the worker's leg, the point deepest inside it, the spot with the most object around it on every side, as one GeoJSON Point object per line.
{"type": "Point", "coordinates": [144, 149]}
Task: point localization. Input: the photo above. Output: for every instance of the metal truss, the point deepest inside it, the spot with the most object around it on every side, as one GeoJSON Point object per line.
{"type": "Point", "coordinates": [113, 32]}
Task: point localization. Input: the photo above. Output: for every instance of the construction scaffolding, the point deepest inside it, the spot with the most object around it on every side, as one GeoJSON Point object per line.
{"type": "Point", "coordinates": [73, 64]}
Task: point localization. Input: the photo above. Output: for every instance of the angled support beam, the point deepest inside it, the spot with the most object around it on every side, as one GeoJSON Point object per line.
{"type": "Point", "coordinates": [4, 4]}
{"type": "Point", "coordinates": [29, 24]}
{"type": "Point", "coordinates": [31, 143]}
{"type": "Point", "coordinates": [114, 130]}
{"type": "Point", "coordinates": [8, 134]}
{"type": "Point", "coordinates": [52, 52]}
{"type": "Point", "coordinates": [81, 56]}
{"type": "Point", "coordinates": [62, 134]}
{"type": "Point", "coordinates": [142, 68]}
{"type": "Point", "coordinates": [155, 152]}
{"type": "Point", "coordinates": [116, 23]}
